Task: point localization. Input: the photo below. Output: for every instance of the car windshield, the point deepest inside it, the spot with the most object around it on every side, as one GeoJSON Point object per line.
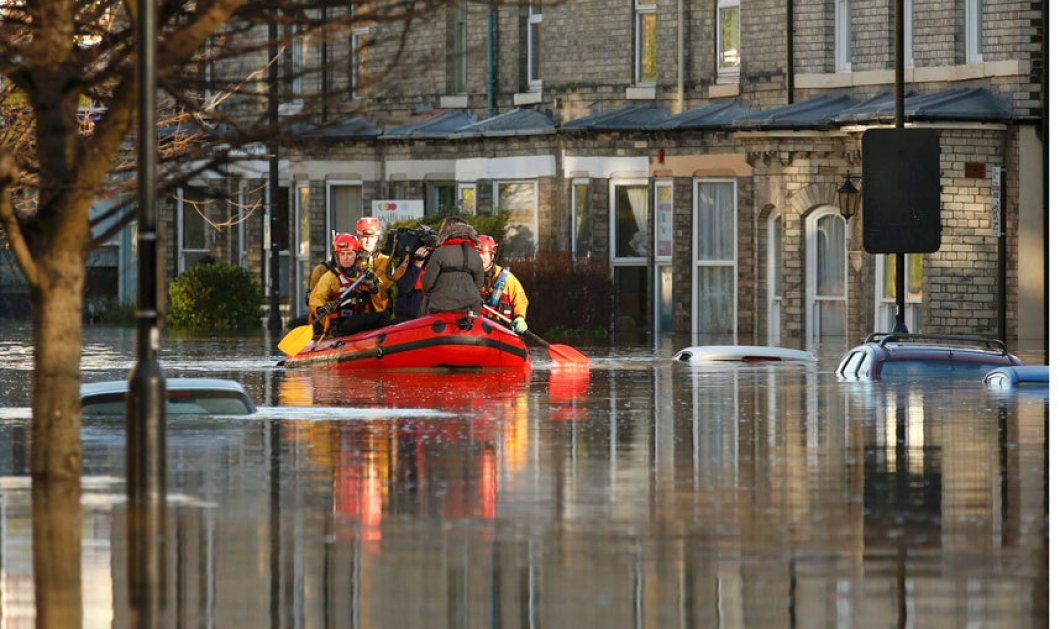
{"type": "Point", "coordinates": [934, 369]}
{"type": "Point", "coordinates": [178, 403]}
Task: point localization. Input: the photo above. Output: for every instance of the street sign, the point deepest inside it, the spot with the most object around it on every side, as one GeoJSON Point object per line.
{"type": "Point", "coordinates": [392, 211]}
{"type": "Point", "coordinates": [902, 191]}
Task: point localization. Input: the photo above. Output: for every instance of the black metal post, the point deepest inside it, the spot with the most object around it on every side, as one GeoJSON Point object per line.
{"type": "Point", "coordinates": [899, 122]}
{"type": "Point", "coordinates": [1002, 256]}
{"type": "Point", "coordinates": [274, 183]}
{"type": "Point", "coordinates": [145, 406]}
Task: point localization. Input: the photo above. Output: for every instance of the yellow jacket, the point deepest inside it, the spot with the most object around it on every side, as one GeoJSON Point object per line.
{"type": "Point", "coordinates": [513, 292]}
{"type": "Point", "coordinates": [379, 264]}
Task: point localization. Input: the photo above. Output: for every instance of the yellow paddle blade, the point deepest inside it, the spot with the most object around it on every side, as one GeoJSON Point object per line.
{"type": "Point", "coordinates": [296, 340]}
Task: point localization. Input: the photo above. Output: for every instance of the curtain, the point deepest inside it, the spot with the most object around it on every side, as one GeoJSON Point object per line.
{"type": "Point", "coordinates": [638, 205]}
{"type": "Point", "coordinates": [717, 213]}
{"type": "Point", "coordinates": [831, 256]}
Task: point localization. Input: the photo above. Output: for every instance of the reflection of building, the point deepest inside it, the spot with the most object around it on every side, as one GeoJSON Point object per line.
{"type": "Point", "coordinates": [698, 152]}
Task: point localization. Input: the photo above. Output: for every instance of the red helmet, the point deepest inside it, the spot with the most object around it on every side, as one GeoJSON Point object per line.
{"type": "Point", "coordinates": [368, 225]}
{"type": "Point", "coordinates": [486, 244]}
{"type": "Point", "coordinates": [344, 242]}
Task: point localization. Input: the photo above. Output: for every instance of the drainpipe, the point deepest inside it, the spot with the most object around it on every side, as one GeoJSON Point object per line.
{"type": "Point", "coordinates": [681, 56]}
{"type": "Point", "coordinates": [899, 122]}
{"type": "Point", "coordinates": [491, 70]}
{"type": "Point", "coordinates": [791, 52]}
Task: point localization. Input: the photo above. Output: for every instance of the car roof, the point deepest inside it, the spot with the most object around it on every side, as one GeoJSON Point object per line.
{"type": "Point", "coordinates": [744, 353]}
{"type": "Point", "coordinates": [172, 384]}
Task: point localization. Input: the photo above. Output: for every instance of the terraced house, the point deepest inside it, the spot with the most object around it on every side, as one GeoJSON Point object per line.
{"type": "Point", "coordinates": [695, 146]}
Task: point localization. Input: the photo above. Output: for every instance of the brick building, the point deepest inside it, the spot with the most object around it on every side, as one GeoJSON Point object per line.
{"type": "Point", "coordinates": [697, 147]}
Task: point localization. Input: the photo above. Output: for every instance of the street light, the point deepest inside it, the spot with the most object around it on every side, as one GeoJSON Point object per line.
{"type": "Point", "coordinates": [848, 197]}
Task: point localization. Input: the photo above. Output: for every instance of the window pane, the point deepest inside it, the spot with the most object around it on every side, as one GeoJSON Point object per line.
{"type": "Point", "coordinates": [833, 317]}
{"type": "Point", "coordinates": [778, 256]}
{"type": "Point", "coordinates": [631, 221]}
{"type": "Point", "coordinates": [664, 222]}
{"type": "Point", "coordinates": [914, 273]}
{"type": "Point", "coordinates": [730, 36]}
{"type": "Point", "coordinates": [717, 214]}
{"type": "Point", "coordinates": [345, 208]}
{"type": "Point", "coordinates": [519, 200]}
{"type": "Point", "coordinates": [467, 200]}
{"type": "Point", "coordinates": [441, 198]}
{"type": "Point", "coordinates": [535, 51]}
{"type": "Point", "coordinates": [665, 280]}
{"type": "Point", "coordinates": [715, 307]}
{"type": "Point", "coordinates": [195, 207]}
{"type": "Point", "coordinates": [647, 47]}
{"type": "Point", "coordinates": [583, 220]}
{"type": "Point", "coordinates": [303, 222]}
{"type": "Point", "coordinates": [888, 276]}
{"type": "Point", "coordinates": [831, 257]}
{"type": "Point", "coordinates": [631, 288]}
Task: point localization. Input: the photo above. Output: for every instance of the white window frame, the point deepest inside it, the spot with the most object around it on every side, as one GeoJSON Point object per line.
{"type": "Point", "coordinates": [534, 19]}
{"type": "Point", "coordinates": [181, 251]}
{"type": "Point", "coordinates": [813, 324]}
{"type": "Point", "coordinates": [973, 29]}
{"type": "Point", "coordinates": [661, 261]}
{"type": "Point", "coordinates": [698, 264]}
{"type": "Point", "coordinates": [913, 305]}
{"type": "Point", "coordinates": [645, 8]}
{"type": "Point", "coordinates": [303, 259]}
{"type": "Point", "coordinates": [612, 225]}
{"type": "Point", "coordinates": [241, 231]}
{"type": "Point", "coordinates": [726, 71]}
{"type": "Point", "coordinates": [843, 28]}
{"type": "Point", "coordinates": [537, 210]}
{"type": "Point", "coordinates": [907, 18]}
{"type": "Point", "coordinates": [579, 181]}
{"type": "Point", "coordinates": [774, 281]}
{"type": "Point", "coordinates": [460, 187]}
{"type": "Point", "coordinates": [329, 213]}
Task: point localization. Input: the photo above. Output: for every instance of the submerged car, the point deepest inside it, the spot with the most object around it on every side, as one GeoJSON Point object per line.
{"type": "Point", "coordinates": [184, 396]}
{"type": "Point", "coordinates": [741, 353]}
{"type": "Point", "coordinates": [1027, 376]}
{"type": "Point", "coordinates": [902, 356]}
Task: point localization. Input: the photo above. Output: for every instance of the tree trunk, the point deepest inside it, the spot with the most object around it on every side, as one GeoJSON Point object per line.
{"type": "Point", "coordinates": [55, 459]}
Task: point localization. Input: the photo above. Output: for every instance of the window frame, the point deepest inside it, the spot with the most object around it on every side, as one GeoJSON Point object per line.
{"type": "Point", "coordinates": [329, 211]}
{"type": "Point", "coordinates": [182, 251]}
{"type": "Point", "coordinates": [575, 182]}
{"type": "Point", "coordinates": [302, 256]}
{"type": "Point", "coordinates": [726, 71]}
{"type": "Point", "coordinates": [358, 57]}
{"type": "Point", "coordinates": [612, 222]}
{"type": "Point", "coordinates": [844, 51]}
{"type": "Point", "coordinates": [774, 279]}
{"type": "Point", "coordinates": [534, 20]}
{"type": "Point", "coordinates": [698, 264]}
{"type": "Point", "coordinates": [457, 42]}
{"type": "Point", "coordinates": [295, 65]}
{"type": "Point", "coordinates": [662, 262]}
{"type": "Point", "coordinates": [460, 188]}
{"type": "Point", "coordinates": [537, 210]}
{"type": "Point", "coordinates": [642, 8]}
{"type": "Point", "coordinates": [913, 304]}
{"type": "Point", "coordinates": [907, 25]}
{"type": "Point", "coordinates": [973, 31]}
{"type": "Point", "coordinates": [813, 323]}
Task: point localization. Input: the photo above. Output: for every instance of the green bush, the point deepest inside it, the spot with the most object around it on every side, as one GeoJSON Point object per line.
{"type": "Point", "coordinates": [214, 296]}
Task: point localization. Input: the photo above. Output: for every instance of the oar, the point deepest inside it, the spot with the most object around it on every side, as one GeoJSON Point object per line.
{"type": "Point", "coordinates": [559, 353]}
{"type": "Point", "coordinates": [296, 340]}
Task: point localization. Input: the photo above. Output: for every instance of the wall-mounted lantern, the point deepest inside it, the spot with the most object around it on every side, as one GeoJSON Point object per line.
{"type": "Point", "coordinates": [848, 197]}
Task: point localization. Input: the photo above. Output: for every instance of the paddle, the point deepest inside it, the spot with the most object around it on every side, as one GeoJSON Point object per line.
{"type": "Point", "coordinates": [296, 340]}
{"type": "Point", "coordinates": [559, 353]}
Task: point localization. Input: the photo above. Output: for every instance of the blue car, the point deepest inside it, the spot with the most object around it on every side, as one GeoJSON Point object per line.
{"type": "Point", "coordinates": [903, 356]}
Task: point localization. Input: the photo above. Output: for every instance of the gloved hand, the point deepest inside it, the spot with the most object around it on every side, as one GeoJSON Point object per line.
{"type": "Point", "coordinates": [519, 325]}
{"type": "Point", "coordinates": [325, 309]}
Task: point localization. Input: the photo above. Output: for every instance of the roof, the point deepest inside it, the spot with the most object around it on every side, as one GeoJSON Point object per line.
{"type": "Point", "coordinates": [637, 117]}
{"type": "Point", "coordinates": [513, 122]}
{"type": "Point", "coordinates": [741, 353]}
{"type": "Point", "coordinates": [964, 103]}
{"type": "Point", "coordinates": [713, 115]}
{"type": "Point", "coordinates": [172, 384]}
{"type": "Point", "coordinates": [818, 112]}
{"type": "Point", "coordinates": [440, 126]}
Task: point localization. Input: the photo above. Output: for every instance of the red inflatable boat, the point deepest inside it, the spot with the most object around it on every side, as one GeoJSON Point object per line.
{"type": "Point", "coordinates": [433, 341]}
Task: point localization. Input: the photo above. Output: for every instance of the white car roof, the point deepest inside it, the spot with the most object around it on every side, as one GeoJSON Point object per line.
{"type": "Point", "coordinates": [744, 353]}
{"type": "Point", "coordinates": [172, 384]}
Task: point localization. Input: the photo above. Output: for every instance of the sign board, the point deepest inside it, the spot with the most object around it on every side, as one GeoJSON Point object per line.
{"type": "Point", "coordinates": [995, 201]}
{"type": "Point", "coordinates": [901, 191]}
{"type": "Point", "coordinates": [664, 221]}
{"type": "Point", "coordinates": [389, 212]}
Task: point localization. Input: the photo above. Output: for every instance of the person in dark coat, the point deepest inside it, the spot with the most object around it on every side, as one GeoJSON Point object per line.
{"type": "Point", "coordinates": [453, 273]}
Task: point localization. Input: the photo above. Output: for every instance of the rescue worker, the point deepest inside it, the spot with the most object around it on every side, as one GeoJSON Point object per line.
{"type": "Point", "coordinates": [368, 231]}
{"type": "Point", "coordinates": [331, 264]}
{"type": "Point", "coordinates": [355, 313]}
{"type": "Point", "coordinates": [453, 272]}
{"type": "Point", "coordinates": [501, 290]}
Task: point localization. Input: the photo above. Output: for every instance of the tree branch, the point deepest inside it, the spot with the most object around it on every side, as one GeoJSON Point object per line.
{"type": "Point", "coordinates": [8, 175]}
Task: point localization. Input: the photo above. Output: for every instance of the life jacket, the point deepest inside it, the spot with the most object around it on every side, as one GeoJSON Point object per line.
{"type": "Point", "coordinates": [355, 303]}
{"type": "Point", "coordinates": [494, 295]}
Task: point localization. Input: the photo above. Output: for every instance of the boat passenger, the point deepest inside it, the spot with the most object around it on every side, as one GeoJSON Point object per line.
{"type": "Point", "coordinates": [331, 264]}
{"type": "Point", "coordinates": [409, 301]}
{"type": "Point", "coordinates": [501, 291]}
{"type": "Point", "coordinates": [355, 313]}
{"type": "Point", "coordinates": [368, 231]}
{"type": "Point", "coordinates": [453, 272]}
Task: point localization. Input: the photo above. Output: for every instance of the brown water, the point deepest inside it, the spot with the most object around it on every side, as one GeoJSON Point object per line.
{"type": "Point", "coordinates": [639, 494]}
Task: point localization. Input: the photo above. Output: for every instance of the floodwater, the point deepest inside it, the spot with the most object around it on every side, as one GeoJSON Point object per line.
{"type": "Point", "coordinates": [639, 494]}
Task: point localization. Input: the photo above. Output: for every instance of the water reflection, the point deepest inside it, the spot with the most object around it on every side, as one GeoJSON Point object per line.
{"type": "Point", "coordinates": [638, 493]}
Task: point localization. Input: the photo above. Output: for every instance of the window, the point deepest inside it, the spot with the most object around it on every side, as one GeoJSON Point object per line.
{"type": "Point", "coordinates": [467, 198]}
{"type": "Point", "coordinates": [774, 275]}
{"type": "Point", "coordinates": [519, 199]}
{"type": "Point", "coordinates": [843, 29]}
{"type": "Point", "coordinates": [457, 58]}
{"type": "Point", "coordinates": [192, 211]}
{"type": "Point", "coordinates": [907, 24]}
{"type": "Point", "coordinates": [345, 206]}
{"type": "Point", "coordinates": [358, 62]}
{"type": "Point", "coordinates": [441, 198]}
{"type": "Point", "coordinates": [534, 54]}
{"type": "Point", "coordinates": [886, 297]}
{"type": "Point", "coordinates": [645, 41]}
{"type": "Point", "coordinates": [826, 274]}
{"type": "Point", "coordinates": [664, 270]}
{"type": "Point", "coordinates": [714, 262]}
{"type": "Point", "coordinates": [973, 31]}
{"type": "Point", "coordinates": [582, 219]}
{"type": "Point", "coordinates": [294, 63]}
{"type": "Point", "coordinates": [241, 234]}
{"type": "Point", "coordinates": [728, 37]}
{"type": "Point", "coordinates": [302, 242]}
{"type": "Point", "coordinates": [630, 243]}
